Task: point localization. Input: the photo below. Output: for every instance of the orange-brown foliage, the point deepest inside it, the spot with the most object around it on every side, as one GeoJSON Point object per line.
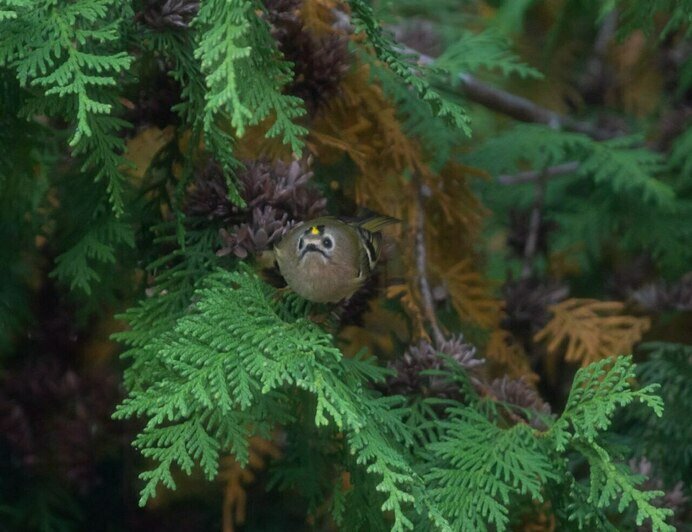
{"type": "Point", "coordinates": [589, 330]}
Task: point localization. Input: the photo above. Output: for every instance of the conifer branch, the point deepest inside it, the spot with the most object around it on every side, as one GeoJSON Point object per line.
{"type": "Point", "coordinates": [363, 20]}
{"type": "Point", "coordinates": [534, 175]}
{"type": "Point", "coordinates": [596, 72]}
{"type": "Point", "coordinates": [217, 356]}
{"type": "Point", "coordinates": [512, 105]}
{"type": "Point", "coordinates": [421, 258]}
{"type": "Point", "coordinates": [495, 98]}
{"type": "Point", "coordinates": [534, 228]}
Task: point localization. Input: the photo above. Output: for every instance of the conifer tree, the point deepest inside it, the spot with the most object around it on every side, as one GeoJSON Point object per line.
{"type": "Point", "coordinates": [519, 360]}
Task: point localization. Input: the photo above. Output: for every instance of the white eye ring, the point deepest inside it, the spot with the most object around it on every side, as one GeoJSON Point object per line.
{"type": "Point", "coordinates": [327, 242]}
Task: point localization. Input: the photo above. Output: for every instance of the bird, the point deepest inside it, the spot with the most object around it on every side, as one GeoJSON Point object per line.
{"type": "Point", "coordinates": [328, 259]}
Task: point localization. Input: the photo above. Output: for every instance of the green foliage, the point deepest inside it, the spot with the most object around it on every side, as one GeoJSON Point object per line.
{"type": "Point", "coordinates": [179, 49]}
{"type": "Point", "coordinates": [437, 136]}
{"type": "Point", "coordinates": [46, 507]}
{"type": "Point", "coordinates": [467, 53]}
{"type": "Point", "coordinates": [533, 144]}
{"type": "Point", "coordinates": [176, 272]}
{"type": "Point", "coordinates": [597, 392]}
{"type": "Point", "coordinates": [486, 50]}
{"type": "Point", "coordinates": [510, 16]}
{"type": "Point", "coordinates": [217, 356]}
{"type": "Point", "coordinates": [621, 181]}
{"type": "Point", "coordinates": [685, 81]}
{"type": "Point", "coordinates": [225, 370]}
{"type": "Point", "coordinates": [364, 21]}
{"type": "Point", "coordinates": [480, 468]}
{"type": "Point", "coordinates": [231, 364]}
{"type": "Point", "coordinates": [626, 168]}
{"type": "Point", "coordinates": [76, 267]}
{"type": "Point", "coordinates": [91, 245]}
{"type": "Point", "coordinates": [232, 77]}
{"type": "Point", "coordinates": [438, 10]}
{"type": "Point", "coordinates": [680, 161]}
{"type": "Point", "coordinates": [636, 15]}
{"type": "Point", "coordinates": [244, 72]}
{"type": "Point", "coordinates": [665, 441]}
{"type": "Point", "coordinates": [619, 164]}
{"type": "Point", "coordinates": [71, 53]}
{"type": "Point", "coordinates": [615, 482]}
{"type": "Point", "coordinates": [309, 463]}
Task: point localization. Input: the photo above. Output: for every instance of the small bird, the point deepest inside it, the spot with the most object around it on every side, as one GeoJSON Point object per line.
{"type": "Point", "coordinates": [327, 259]}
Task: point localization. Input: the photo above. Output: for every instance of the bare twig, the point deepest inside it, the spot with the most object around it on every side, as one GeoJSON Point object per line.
{"type": "Point", "coordinates": [421, 261]}
{"type": "Point", "coordinates": [534, 228]}
{"type": "Point", "coordinates": [596, 74]}
{"type": "Point", "coordinates": [524, 109]}
{"type": "Point", "coordinates": [498, 99]}
{"type": "Point", "coordinates": [535, 175]}
{"type": "Point", "coordinates": [513, 105]}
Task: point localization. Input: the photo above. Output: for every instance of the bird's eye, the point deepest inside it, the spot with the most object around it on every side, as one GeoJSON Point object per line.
{"type": "Point", "coordinates": [327, 242]}
{"type": "Point", "coordinates": [301, 243]}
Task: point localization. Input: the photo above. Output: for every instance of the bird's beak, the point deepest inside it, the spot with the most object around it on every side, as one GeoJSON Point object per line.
{"type": "Point", "coordinates": [311, 247]}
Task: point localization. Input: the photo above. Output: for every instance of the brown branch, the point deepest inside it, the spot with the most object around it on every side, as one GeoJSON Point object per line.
{"type": "Point", "coordinates": [495, 98]}
{"type": "Point", "coordinates": [535, 175]}
{"type": "Point", "coordinates": [534, 228]}
{"type": "Point", "coordinates": [498, 99]}
{"type": "Point", "coordinates": [421, 266]}
{"type": "Point", "coordinates": [512, 105]}
{"type": "Point", "coordinates": [524, 109]}
{"type": "Point", "coordinates": [596, 75]}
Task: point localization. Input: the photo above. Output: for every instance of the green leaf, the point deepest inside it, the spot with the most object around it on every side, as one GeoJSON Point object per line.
{"type": "Point", "coordinates": [226, 367]}
{"type": "Point", "coordinates": [479, 467]}
{"type": "Point", "coordinates": [610, 481]}
{"type": "Point", "coordinates": [244, 72]}
{"type": "Point", "coordinates": [364, 21]}
{"type": "Point", "coordinates": [471, 52]}
{"type": "Point", "coordinates": [597, 391]}
{"type": "Point", "coordinates": [77, 266]}
{"type": "Point", "coordinates": [624, 168]}
{"type": "Point", "coordinates": [70, 51]}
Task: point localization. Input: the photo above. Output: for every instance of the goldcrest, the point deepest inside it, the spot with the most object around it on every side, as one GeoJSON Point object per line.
{"type": "Point", "coordinates": [326, 259]}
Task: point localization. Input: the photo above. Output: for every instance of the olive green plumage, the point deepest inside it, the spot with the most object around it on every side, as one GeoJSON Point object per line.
{"type": "Point", "coordinates": [327, 259]}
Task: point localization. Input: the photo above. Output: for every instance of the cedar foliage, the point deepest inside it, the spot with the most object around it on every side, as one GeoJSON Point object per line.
{"type": "Point", "coordinates": [151, 152]}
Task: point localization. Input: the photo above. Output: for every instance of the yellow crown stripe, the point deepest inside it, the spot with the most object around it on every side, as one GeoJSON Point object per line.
{"type": "Point", "coordinates": [314, 230]}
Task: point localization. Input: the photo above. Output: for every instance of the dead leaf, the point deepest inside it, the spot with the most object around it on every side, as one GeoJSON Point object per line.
{"type": "Point", "coordinates": [318, 15]}
{"type": "Point", "coordinates": [235, 477]}
{"type": "Point", "coordinates": [381, 328]}
{"type": "Point", "coordinates": [507, 354]}
{"type": "Point", "coordinates": [565, 263]}
{"type": "Point", "coordinates": [591, 330]}
{"type": "Point", "coordinates": [542, 519]}
{"type": "Point", "coordinates": [143, 147]}
{"type": "Point", "coordinates": [470, 294]}
{"type": "Point", "coordinates": [404, 292]}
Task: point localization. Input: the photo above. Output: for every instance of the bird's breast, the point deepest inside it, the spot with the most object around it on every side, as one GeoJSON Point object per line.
{"type": "Point", "coordinates": [319, 279]}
